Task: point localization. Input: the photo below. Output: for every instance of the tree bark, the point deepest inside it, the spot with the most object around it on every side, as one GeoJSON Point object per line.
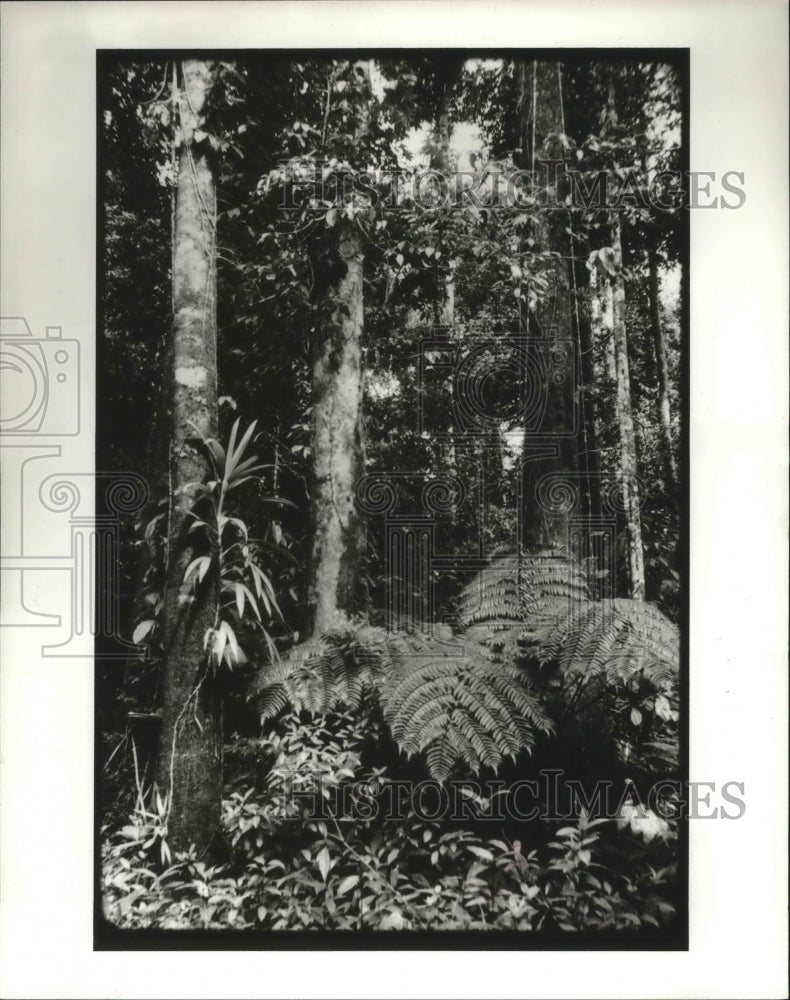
{"type": "Point", "coordinates": [337, 535]}
{"type": "Point", "coordinates": [550, 448]}
{"type": "Point", "coordinates": [623, 409]}
{"type": "Point", "coordinates": [588, 456]}
{"type": "Point", "coordinates": [441, 163]}
{"type": "Point", "coordinates": [625, 423]}
{"type": "Point", "coordinates": [660, 352]}
{"type": "Point", "coordinates": [445, 313]}
{"type": "Point", "coordinates": [190, 755]}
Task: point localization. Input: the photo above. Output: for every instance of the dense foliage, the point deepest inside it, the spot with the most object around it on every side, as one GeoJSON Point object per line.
{"type": "Point", "coordinates": [292, 871]}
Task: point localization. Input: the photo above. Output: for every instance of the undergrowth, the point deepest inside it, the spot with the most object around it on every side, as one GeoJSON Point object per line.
{"type": "Point", "coordinates": [354, 869]}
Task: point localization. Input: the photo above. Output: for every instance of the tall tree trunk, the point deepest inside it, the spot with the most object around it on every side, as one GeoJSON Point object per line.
{"type": "Point", "coordinates": [660, 351]}
{"type": "Point", "coordinates": [190, 755]}
{"type": "Point", "coordinates": [623, 408]}
{"type": "Point", "coordinates": [550, 449]}
{"type": "Point", "coordinates": [441, 162]}
{"type": "Point", "coordinates": [625, 423]}
{"type": "Point", "coordinates": [445, 313]}
{"type": "Point", "coordinates": [338, 460]}
{"type": "Point", "coordinates": [337, 533]}
{"type": "Point", "coordinates": [608, 312]}
{"type": "Point", "coordinates": [589, 457]}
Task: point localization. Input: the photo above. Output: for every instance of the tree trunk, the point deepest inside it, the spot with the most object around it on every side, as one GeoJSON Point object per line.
{"type": "Point", "coordinates": [589, 456]}
{"type": "Point", "coordinates": [625, 423]}
{"type": "Point", "coordinates": [441, 162]}
{"type": "Point", "coordinates": [550, 447]}
{"type": "Point", "coordinates": [608, 312]}
{"type": "Point", "coordinates": [337, 535]}
{"type": "Point", "coordinates": [660, 351]}
{"type": "Point", "coordinates": [623, 409]}
{"type": "Point", "coordinates": [445, 313]}
{"type": "Point", "coordinates": [190, 754]}
{"type": "Point", "coordinates": [337, 528]}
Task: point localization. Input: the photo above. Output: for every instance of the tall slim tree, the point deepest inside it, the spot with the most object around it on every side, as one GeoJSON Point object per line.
{"type": "Point", "coordinates": [625, 423]}
{"type": "Point", "coordinates": [662, 373]}
{"type": "Point", "coordinates": [337, 529]}
{"type": "Point", "coordinates": [624, 411]}
{"type": "Point", "coordinates": [446, 76]}
{"type": "Point", "coordinates": [659, 105]}
{"type": "Point", "coordinates": [442, 80]}
{"type": "Point", "coordinates": [550, 447]}
{"type": "Point", "coordinates": [190, 756]}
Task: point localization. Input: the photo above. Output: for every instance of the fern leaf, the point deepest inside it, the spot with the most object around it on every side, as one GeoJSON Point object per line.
{"type": "Point", "coordinates": [461, 709]}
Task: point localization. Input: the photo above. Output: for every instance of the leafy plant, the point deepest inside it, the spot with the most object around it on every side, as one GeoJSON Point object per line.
{"type": "Point", "coordinates": [615, 661]}
{"type": "Point", "coordinates": [247, 599]}
{"type": "Point", "coordinates": [248, 605]}
{"type": "Point", "coordinates": [480, 694]}
{"type": "Point", "coordinates": [447, 699]}
{"type": "Point", "coordinates": [296, 872]}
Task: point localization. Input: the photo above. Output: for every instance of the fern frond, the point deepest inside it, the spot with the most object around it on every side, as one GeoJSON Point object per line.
{"type": "Point", "coordinates": [540, 608]}
{"type": "Point", "coordinates": [618, 638]}
{"type": "Point", "coordinates": [463, 697]}
{"type": "Point", "coordinates": [513, 589]}
{"type": "Point", "coordinates": [461, 708]}
{"type": "Point", "coordinates": [493, 595]}
{"type": "Point", "coordinates": [320, 675]}
{"type": "Point", "coordinates": [441, 694]}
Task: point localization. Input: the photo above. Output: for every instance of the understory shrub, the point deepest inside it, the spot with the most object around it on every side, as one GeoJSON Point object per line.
{"type": "Point", "coordinates": [296, 867]}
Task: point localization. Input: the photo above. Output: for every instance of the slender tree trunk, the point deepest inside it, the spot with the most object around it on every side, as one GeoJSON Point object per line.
{"type": "Point", "coordinates": [625, 423]}
{"type": "Point", "coordinates": [608, 314]}
{"type": "Point", "coordinates": [623, 409]}
{"type": "Point", "coordinates": [337, 535]}
{"type": "Point", "coordinates": [445, 313]}
{"type": "Point", "coordinates": [598, 332]}
{"type": "Point", "coordinates": [190, 755]}
{"type": "Point", "coordinates": [660, 351]}
{"type": "Point", "coordinates": [442, 163]}
{"type": "Point", "coordinates": [550, 447]}
{"type": "Point", "coordinates": [589, 457]}
{"type": "Point", "coordinates": [604, 367]}
{"type": "Point", "coordinates": [338, 455]}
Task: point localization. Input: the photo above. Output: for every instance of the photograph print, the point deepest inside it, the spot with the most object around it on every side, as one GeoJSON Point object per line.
{"type": "Point", "coordinates": [392, 354]}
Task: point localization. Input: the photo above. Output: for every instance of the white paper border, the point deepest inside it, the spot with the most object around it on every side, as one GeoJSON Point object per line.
{"type": "Point", "coordinates": [739, 323]}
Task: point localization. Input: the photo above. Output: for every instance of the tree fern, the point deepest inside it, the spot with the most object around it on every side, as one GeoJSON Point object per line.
{"type": "Point", "coordinates": [466, 707]}
{"type": "Point", "coordinates": [494, 596]}
{"type": "Point", "coordinates": [558, 622]}
{"type": "Point", "coordinates": [464, 696]}
{"type": "Point", "coordinates": [441, 695]}
{"type": "Point", "coordinates": [618, 637]}
{"type": "Point", "coordinates": [317, 676]}
{"type": "Point", "coordinates": [512, 589]}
